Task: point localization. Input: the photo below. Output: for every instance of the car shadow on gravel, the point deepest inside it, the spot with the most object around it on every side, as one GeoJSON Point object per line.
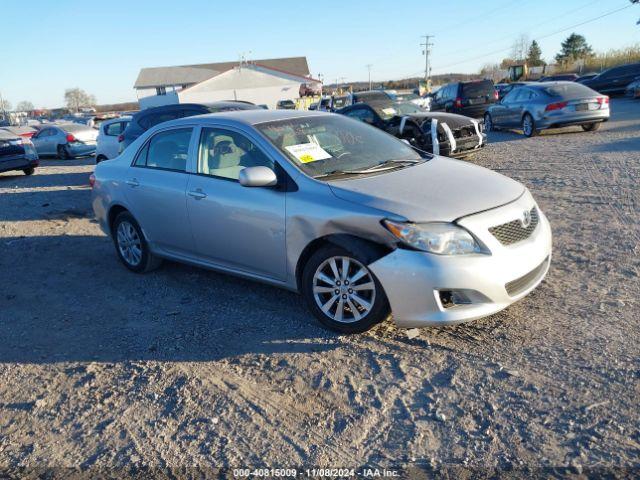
{"type": "Point", "coordinates": [618, 145]}
{"type": "Point", "coordinates": [68, 299]}
{"type": "Point", "coordinates": [43, 180]}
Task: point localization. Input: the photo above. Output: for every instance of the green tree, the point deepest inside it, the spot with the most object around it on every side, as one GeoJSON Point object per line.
{"type": "Point", "coordinates": [574, 48]}
{"type": "Point", "coordinates": [534, 55]}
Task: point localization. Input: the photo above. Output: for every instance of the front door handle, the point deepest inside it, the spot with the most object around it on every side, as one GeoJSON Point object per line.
{"type": "Point", "coordinates": [133, 182]}
{"type": "Point", "coordinates": [197, 194]}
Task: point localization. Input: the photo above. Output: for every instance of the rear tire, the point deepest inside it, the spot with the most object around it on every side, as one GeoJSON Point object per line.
{"type": "Point", "coordinates": [29, 171]}
{"type": "Point", "coordinates": [63, 152]}
{"type": "Point", "coordinates": [529, 126]}
{"type": "Point", "coordinates": [131, 246]}
{"type": "Point", "coordinates": [590, 127]}
{"type": "Point", "coordinates": [360, 302]}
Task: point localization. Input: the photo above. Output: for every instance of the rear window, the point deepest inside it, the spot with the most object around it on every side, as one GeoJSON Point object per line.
{"type": "Point", "coordinates": [569, 90]}
{"type": "Point", "coordinates": [75, 127]}
{"type": "Point", "coordinates": [477, 89]}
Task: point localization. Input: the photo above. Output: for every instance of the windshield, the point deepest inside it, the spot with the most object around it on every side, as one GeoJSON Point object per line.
{"type": "Point", "coordinates": [387, 110]}
{"type": "Point", "coordinates": [325, 144]}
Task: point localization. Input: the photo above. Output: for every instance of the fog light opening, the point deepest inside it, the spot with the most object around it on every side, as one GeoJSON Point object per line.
{"type": "Point", "coordinates": [453, 298]}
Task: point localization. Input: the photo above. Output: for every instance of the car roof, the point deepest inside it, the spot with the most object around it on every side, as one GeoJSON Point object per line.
{"type": "Point", "coordinates": [247, 117]}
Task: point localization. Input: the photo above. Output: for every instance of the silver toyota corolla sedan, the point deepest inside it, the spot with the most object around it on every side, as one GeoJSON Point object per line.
{"type": "Point", "coordinates": [538, 106]}
{"type": "Point", "coordinates": [354, 219]}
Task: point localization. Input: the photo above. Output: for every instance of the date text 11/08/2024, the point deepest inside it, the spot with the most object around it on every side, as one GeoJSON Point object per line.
{"type": "Point", "coordinates": [315, 472]}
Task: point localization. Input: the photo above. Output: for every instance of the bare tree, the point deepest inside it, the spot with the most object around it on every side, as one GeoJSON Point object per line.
{"type": "Point", "coordinates": [520, 47]}
{"type": "Point", "coordinates": [76, 98]}
{"type": "Point", "coordinates": [24, 106]}
{"type": "Point", "coordinates": [5, 105]}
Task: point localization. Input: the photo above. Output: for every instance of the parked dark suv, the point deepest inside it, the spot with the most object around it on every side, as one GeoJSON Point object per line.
{"type": "Point", "coordinates": [150, 117]}
{"type": "Point", "coordinates": [614, 80]}
{"type": "Point", "coordinates": [466, 98]}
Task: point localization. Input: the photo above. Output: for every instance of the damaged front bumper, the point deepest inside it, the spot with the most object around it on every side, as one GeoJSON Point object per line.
{"type": "Point", "coordinates": [424, 289]}
{"type": "Point", "coordinates": [457, 142]}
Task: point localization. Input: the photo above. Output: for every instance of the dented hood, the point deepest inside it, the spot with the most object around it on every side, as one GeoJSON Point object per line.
{"type": "Point", "coordinates": [439, 190]}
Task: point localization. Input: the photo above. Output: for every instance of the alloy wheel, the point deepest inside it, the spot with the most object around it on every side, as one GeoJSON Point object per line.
{"type": "Point", "coordinates": [343, 289]}
{"type": "Point", "coordinates": [527, 125]}
{"type": "Point", "coordinates": [129, 243]}
{"type": "Point", "coordinates": [488, 125]}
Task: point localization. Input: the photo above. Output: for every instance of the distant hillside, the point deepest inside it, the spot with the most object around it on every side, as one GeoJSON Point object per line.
{"type": "Point", "coordinates": [407, 83]}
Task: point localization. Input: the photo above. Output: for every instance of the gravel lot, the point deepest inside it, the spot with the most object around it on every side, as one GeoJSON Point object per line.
{"type": "Point", "coordinates": [183, 367]}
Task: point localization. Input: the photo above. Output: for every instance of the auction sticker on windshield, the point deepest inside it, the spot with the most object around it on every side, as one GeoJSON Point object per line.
{"type": "Point", "coordinates": [308, 152]}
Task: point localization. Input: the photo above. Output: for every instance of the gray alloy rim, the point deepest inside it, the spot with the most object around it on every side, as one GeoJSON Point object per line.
{"type": "Point", "coordinates": [527, 125]}
{"type": "Point", "coordinates": [487, 123]}
{"type": "Point", "coordinates": [129, 243]}
{"type": "Point", "coordinates": [343, 289]}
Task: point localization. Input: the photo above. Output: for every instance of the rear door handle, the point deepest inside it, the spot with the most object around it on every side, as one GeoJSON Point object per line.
{"type": "Point", "coordinates": [133, 182]}
{"type": "Point", "coordinates": [197, 194]}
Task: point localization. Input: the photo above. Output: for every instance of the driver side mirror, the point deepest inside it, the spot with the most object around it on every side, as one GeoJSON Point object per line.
{"type": "Point", "coordinates": [258, 177]}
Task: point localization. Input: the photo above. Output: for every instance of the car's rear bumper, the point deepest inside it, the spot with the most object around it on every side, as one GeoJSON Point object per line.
{"type": "Point", "coordinates": [17, 162]}
{"type": "Point", "coordinates": [78, 150]}
{"type": "Point", "coordinates": [415, 282]}
{"type": "Point", "coordinates": [574, 118]}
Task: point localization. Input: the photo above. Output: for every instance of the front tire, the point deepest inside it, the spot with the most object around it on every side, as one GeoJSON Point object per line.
{"type": "Point", "coordinates": [63, 152]}
{"type": "Point", "coordinates": [29, 171]}
{"type": "Point", "coordinates": [529, 126]}
{"type": "Point", "coordinates": [488, 123]}
{"type": "Point", "coordinates": [131, 246]}
{"type": "Point", "coordinates": [590, 127]}
{"type": "Point", "coordinates": [342, 292]}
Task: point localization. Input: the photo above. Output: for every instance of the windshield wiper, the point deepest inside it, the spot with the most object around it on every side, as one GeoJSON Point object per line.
{"type": "Point", "coordinates": [379, 167]}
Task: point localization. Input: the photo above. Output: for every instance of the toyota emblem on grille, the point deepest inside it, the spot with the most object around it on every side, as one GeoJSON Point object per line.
{"type": "Point", "coordinates": [525, 221]}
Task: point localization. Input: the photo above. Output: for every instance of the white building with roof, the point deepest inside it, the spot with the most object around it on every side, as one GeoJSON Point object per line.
{"type": "Point", "coordinates": [260, 82]}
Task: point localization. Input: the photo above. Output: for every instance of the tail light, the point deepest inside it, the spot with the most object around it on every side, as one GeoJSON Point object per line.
{"type": "Point", "coordinates": [603, 100]}
{"type": "Point", "coordinates": [71, 138]}
{"type": "Point", "coordinates": [555, 106]}
{"type": "Point", "coordinates": [121, 137]}
{"type": "Point", "coordinates": [458, 103]}
{"type": "Point", "coordinates": [92, 180]}
{"type": "Point", "coordinates": [496, 95]}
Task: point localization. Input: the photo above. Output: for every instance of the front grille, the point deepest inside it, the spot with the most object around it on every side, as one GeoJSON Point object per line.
{"type": "Point", "coordinates": [519, 285]}
{"type": "Point", "coordinates": [515, 230]}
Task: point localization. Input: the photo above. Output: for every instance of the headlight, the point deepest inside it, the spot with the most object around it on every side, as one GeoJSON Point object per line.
{"type": "Point", "coordinates": [438, 238]}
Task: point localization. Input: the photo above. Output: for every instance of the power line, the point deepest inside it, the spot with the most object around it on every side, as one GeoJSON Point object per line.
{"type": "Point", "coordinates": [512, 35]}
{"type": "Point", "coordinates": [537, 38]}
{"type": "Point", "coordinates": [475, 18]}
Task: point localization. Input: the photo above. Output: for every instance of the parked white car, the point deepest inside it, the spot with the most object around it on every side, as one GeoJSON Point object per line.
{"type": "Point", "coordinates": [108, 144]}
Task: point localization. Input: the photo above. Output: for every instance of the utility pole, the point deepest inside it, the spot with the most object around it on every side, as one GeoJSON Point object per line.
{"type": "Point", "coordinates": [369, 69]}
{"type": "Point", "coordinates": [427, 51]}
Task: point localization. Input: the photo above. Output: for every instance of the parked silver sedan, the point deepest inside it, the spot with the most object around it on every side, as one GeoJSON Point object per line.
{"type": "Point", "coordinates": [356, 220]}
{"type": "Point", "coordinates": [65, 140]}
{"type": "Point", "coordinates": [534, 107]}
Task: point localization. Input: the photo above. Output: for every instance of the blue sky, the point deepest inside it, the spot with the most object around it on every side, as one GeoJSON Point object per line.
{"type": "Point", "coordinates": [100, 46]}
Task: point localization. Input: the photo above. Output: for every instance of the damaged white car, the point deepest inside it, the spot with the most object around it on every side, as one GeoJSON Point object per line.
{"type": "Point", "coordinates": [360, 223]}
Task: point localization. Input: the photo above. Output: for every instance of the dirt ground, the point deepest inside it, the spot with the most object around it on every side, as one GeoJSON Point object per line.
{"type": "Point", "coordinates": [101, 368]}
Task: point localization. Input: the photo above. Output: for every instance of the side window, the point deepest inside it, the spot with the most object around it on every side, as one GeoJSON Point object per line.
{"type": "Point", "coordinates": [362, 114]}
{"type": "Point", "coordinates": [114, 129]}
{"type": "Point", "coordinates": [166, 150]}
{"type": "Point", "coordinates": [223, 153]}
{"type": "Point", "coordinates": [511, 96]}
